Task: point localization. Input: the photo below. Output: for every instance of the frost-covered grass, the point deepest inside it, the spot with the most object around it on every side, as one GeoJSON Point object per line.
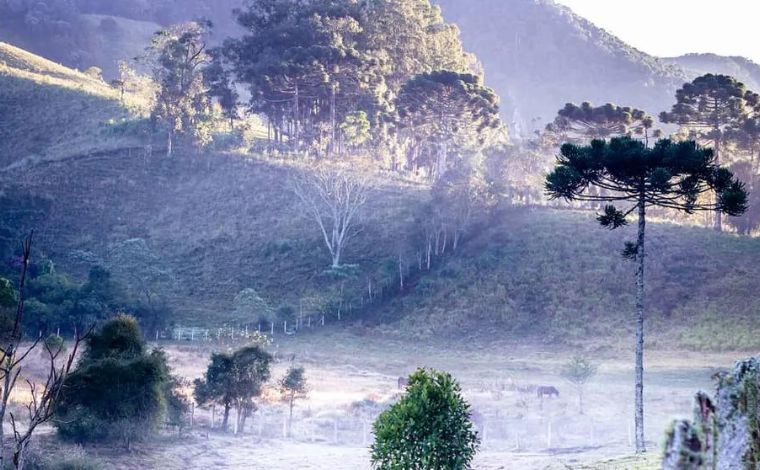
{"type": "Point", "coordinates": [352, 375]}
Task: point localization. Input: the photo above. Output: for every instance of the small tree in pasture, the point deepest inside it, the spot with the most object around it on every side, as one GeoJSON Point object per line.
{"type": "Point", "coordinates": [578, 371]}
{"type": "Point", "coordinates": [293, 387]}
{"type": "Point", "coordinates": [670, 175]}
{"type": "Point", "coordinates": [334, 200]}
{"type": "Point", "coordinates": [429, 428]}
{"type": "Point", "coordinates": [234, 380]}
{"type": "Point", "coordinates": [215, 387]}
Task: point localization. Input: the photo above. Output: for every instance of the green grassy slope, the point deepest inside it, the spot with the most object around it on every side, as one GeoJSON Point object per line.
{"type": "Point", "coordinates": [50, 111]}
{"type": "Point", "coordinates": [557, 276]}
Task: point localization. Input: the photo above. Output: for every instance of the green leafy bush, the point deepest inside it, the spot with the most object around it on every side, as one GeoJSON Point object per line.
{"type": "Point", "coordinates": [93, 409]}
{"type": "Point", "coordinates": [429, 428]}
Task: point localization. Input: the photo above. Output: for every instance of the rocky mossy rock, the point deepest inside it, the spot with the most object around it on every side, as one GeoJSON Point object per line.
{"type": "Point", "coordinates": [725, 431]}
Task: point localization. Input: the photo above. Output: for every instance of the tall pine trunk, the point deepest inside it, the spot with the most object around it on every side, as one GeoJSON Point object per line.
{"type": "Point", "coordinates": [639, 400]}
{"type": "Point", "coordinates": [718, 142]}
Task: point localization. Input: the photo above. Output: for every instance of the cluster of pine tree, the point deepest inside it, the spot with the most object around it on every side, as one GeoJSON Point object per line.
{"type": "Point", "coordinates": [334, 77]}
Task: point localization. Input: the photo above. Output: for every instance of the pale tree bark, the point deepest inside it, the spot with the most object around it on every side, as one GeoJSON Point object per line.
{"type": "Point", "coordinates": [333, 199]}
{"type": "Point", "coordinates": [639, 385]}
{"type": "Point", "coordinates": [169, 142]}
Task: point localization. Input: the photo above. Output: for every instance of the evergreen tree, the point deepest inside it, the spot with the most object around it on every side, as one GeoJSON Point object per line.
{"type": "Point", "coordinates": [442, 109]}
{"type": "Point", "coordinates": [581, 124]}
{"type": "Point", "coordinates": [707, 108]}
{"type": "Point", "coordinates": [429, 428]}
{"type": "Point", "coordinates": [177, 57]}
{"type": "Point", "coordinates": [670, 175]}
{"type": "Point", "coordinates": [746, 137]}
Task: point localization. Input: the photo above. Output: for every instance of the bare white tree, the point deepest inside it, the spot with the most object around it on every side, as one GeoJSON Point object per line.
{"type": "Point", "coordinates": [333, 199]}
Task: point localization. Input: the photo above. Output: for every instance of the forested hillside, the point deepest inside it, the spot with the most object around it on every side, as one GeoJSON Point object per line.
{"type": "Point", "coordinates": [271, 212]}
{"type": "Point", "coordinates": [546, 55]}
{"type": "Point", "coordinates": [222, 224]}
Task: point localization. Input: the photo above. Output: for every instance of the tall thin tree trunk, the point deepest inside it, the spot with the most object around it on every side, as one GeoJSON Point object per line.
{"type": "Point", "coordinates": [333, 122]}
{"type": "Point", "coordinates": [400, 273]}
{"type": "Point", "coordinates": [718, 143]}
{"type": "Point", "coordinates": [297, 118]}
{"type": "Point", "coordinates": [290, 415]}
{"type": "Point", "coordinates": [639, 401]}
{"type": "Point", "coordinates": [169, 142]}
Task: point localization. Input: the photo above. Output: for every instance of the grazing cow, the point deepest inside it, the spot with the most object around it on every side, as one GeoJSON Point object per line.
{"type": "Point", "coordinates": [402, 383]}
{"type": "Point", "coordinates": [547, 390]}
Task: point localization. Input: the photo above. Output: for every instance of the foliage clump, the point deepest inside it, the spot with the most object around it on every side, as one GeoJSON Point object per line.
{"type": "Point", "coordinates": [429, 428]}
{"type": "Point", "coordinates": [93, 409]}
{"type": "Point", "coordinates": [234, 380]}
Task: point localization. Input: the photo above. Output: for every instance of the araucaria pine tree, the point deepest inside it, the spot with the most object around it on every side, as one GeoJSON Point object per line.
{"type": "Point", "coordinates": [670, 175]}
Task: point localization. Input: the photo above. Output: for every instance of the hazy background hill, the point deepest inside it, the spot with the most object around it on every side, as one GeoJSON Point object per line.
{"type": "Point", "coordinates": [742, 68]}
{"type": "Point", "coordinates": [537, 54]}
{"type": "Point", "coordinates": [85, 33]}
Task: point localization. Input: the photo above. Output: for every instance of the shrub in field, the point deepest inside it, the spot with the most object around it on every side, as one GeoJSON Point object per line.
{"type": "Point", "coordinates": [118, 391]}
{"type": "Point", "coordinates": [428, 429]}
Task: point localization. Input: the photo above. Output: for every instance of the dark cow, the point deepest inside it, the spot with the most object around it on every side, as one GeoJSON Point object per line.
{"type": "Point", "coordinates": [402, 383]}
{"type": "Point", "coordinates": [547, 391]}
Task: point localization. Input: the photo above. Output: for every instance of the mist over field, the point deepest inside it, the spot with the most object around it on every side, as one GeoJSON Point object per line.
{"type": "Point", "coordinates": [372, 234]}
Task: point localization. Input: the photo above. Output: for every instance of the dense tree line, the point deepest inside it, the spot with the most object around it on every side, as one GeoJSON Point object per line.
{"type": "Point", "coordinates": [717, 111]}
{"type": "Point", "coordinates": [332, 76]}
